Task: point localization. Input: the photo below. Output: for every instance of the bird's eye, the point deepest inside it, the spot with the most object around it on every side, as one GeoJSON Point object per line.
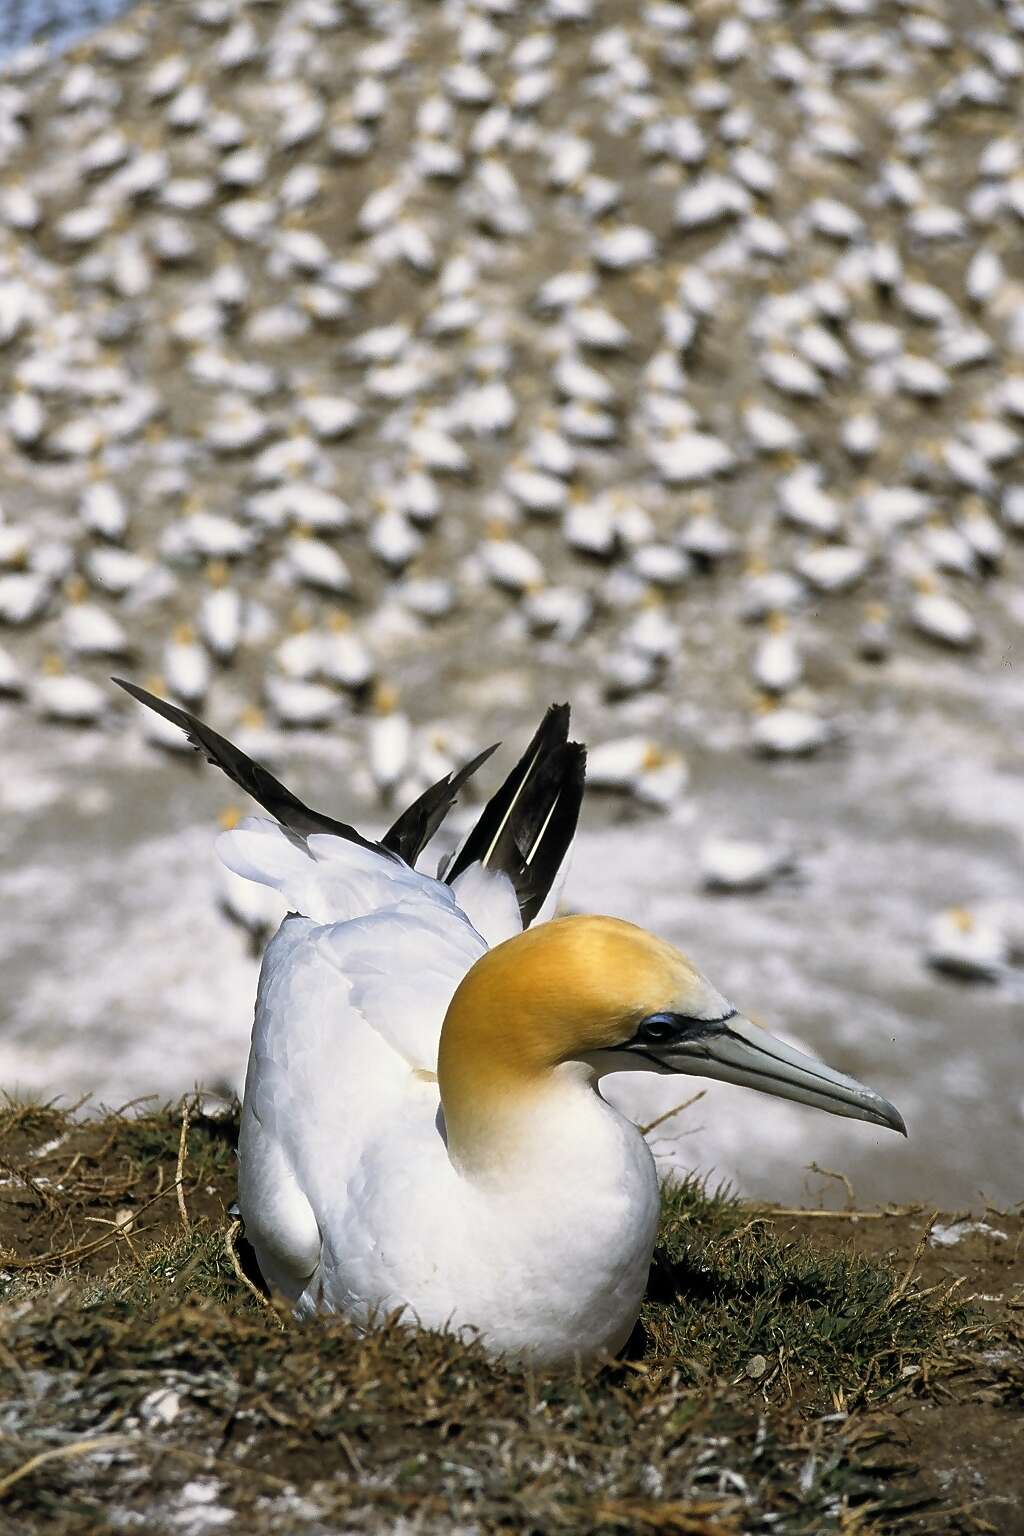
{"type": "Point", "coordinates": [657, 1030]}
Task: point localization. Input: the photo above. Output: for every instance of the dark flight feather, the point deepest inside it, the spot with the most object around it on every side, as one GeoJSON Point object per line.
{"type": "Point", "coordinates": [413, 830]}
{"type": "Point", "coordinates": [269, 792]}
{"type": "Point", "coordinates": [526, 827]}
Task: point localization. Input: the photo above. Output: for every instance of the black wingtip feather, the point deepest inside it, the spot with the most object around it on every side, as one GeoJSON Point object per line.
{"type": "Point", "coordinates": [526, 827]}
{"type": "Point", "coordinates": [267, 791]}
{"type": "Point", "coordinates": [413, 830]}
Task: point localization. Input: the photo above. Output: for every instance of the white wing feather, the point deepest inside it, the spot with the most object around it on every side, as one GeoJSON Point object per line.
{"type": "Point", "coordinates": [353, 992]}
{"type": "Point", "coordinates": [488, 898]}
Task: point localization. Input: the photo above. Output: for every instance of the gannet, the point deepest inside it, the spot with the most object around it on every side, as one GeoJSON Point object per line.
{"type": "Point", "coordinates": [423, 1130]}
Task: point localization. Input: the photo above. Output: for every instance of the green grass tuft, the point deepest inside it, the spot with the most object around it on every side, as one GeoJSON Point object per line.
{"type": "Point", "coordinates": [827, 1324]}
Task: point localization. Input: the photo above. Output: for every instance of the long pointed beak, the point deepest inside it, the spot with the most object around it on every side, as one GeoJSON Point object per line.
{"type": "Point", "coordinates": [744, 1053]}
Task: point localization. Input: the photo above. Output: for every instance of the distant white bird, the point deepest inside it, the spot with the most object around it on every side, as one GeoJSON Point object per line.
{"type": "Point", "coordinates": [26, 418]}
{"type": "Point", "coordinates": [791, 374]}
{"type": "Point", "coordinates": [12, 677]}
{"type": "Point", "coordinates": [832, 567]}
{"type": "Point", "coordinates": [186, 666]}
{"type": "Point", "coordinates": [734, 864]}
{"type": "Point", "coordinates": [89, 630]}
{"type": "Point", "coordinates": [344, 658]}
{"type": "Point", "coordinates": [388, 742]}
{"type": "Point", "coordinates": [300, 704]}
{"type": "Point", "coordinates": [626, 764]}
{"type": "Point", "coordinates": [804, 501]}
{"type": "Point", "coordinates": [967, 944]}
{"type": "Point", "coordinates": [316, 564]}
{"type": "Point", "coordinates": [331, 416]}
{"type": "Point", "coordinates": [220, 618]}
{"type": "Point", "coordinates": [102, 510]}
{"type": "Point", "coordinates": [942, 618]}
{"type": "Point", "coordinates": [790, 732]}
{"type": "Point", "coordinates": [393, 539]}
{"type": "Point", "coordinates": [771, 431]}
{"type": "Point", "coordinates": [777, 665]}
{"type": "Point", "coordinates": [70, 700]}
{"type": "Point", "coordinates": [691, 458]}
{"type": "Point", "coordinates": [542, 494]}
{"type": "Point", "coordinates": [510, 565]}
{"type": "Point", "coordinates": [24, 596]}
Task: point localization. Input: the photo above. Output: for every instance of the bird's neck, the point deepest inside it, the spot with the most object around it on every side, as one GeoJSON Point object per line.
{"type": "Point", "coordinates": [524, 1131]}
{"type": "Point", "coordinates": [491, 1093]}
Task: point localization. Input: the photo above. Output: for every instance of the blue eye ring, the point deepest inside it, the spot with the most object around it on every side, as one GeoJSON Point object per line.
{"type": "Point", "coordinates": [659, 1027]}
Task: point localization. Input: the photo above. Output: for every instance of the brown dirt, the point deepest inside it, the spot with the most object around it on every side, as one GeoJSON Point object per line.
{"type": "Point", "coordinates": [964, 1434]}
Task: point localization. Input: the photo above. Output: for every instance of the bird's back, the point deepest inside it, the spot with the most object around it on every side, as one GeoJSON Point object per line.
{"type": "Point", "coordinates": [353, 991]}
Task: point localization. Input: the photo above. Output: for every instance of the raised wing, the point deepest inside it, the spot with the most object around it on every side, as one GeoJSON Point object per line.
{"type": "Point", "coordinates": [525, 829]}
{"type": "Point", "coordinates": [406, 839]}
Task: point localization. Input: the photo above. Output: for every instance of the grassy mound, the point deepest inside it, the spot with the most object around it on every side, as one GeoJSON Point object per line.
{"type": "Point", "coordinates": [776, 1381]}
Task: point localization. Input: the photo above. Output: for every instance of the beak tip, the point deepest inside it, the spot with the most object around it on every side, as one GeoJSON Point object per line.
{"type": "Point", "coordinates": [889, 1116]}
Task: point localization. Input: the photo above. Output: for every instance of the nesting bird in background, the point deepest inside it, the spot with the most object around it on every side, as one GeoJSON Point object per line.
{"type": "Point", "coordinates": [423, 1127]}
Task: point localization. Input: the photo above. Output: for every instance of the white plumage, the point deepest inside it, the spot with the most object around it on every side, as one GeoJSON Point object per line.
{"type": "Point", "coordinates": [349, 1196]}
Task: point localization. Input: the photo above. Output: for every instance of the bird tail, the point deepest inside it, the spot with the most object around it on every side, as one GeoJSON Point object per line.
{"type": "Point", "coordinates": [525, 829]}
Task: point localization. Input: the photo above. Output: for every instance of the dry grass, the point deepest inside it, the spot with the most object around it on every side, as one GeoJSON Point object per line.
{"type": "Point", "coordinates": [146, 1385]}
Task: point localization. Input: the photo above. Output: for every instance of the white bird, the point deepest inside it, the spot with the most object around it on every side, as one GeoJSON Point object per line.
{"type": "Point", "coordinates": [71, 700]}
{"type": "Point", "coordinates": [423, 1131]}
{"type": "Point", "coordinates": [220, 620]}
{"type": "Point", "coordinates": [24, 596]}
{"type": "Point", "coordinates": [26, 418]}
{"type": "Point", "coordinates": [393, 539]}
{"type": "Point", "coordinates": [735, 864]}
{"type": "Point", "coordinates": [317, 564]}
{"type": "Point", "coordinates": [510, 565]}
{"type": "Point", "coordinates": [942, 618]}
{"type": "Point", "coordinates": [832, 567]}
{"type": "Point", "coordinates": [299, 704]}
{"type": "Point", "coordinates": [789, 732]}
{"type": "Point", "coordinates": [12, 678]}
{"type": "Point", "coordinates": [89, 630]}
{"type": "Point", "coordinates": [330, 416]}
{"type": "Point", "coordinates": [343, 657]}
{"type": "Point", "coordinates": [102, 510]}
{"type": "Point", "coordinates": [968, 944]}
{"type": "Point", "coordinates": [544, 495]}
{"type": "Point", "coordinates": [186, 665]}
{"type": "Point", "coordinates": [777, 665]}
{"type": "Point", "coordinates": [388, 742]}
{"type": "Point", "coordinates": [624, 246]}
{"type": "Point", "coordinates": [861, 434]}
{"type": "Point", "coordinates": [691, 458]}
{"type": "Point", "coordinates": [430, 597]}
{"type": "Point", "coordinates": [771, 431]}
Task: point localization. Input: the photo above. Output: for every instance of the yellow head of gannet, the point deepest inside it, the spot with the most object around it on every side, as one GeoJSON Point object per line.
{"type": "Point", "coordinates": [611, 997]}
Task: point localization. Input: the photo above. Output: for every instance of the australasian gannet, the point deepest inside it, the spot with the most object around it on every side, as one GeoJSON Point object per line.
{"type": "Point", "coordinates": [422, 1127]}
